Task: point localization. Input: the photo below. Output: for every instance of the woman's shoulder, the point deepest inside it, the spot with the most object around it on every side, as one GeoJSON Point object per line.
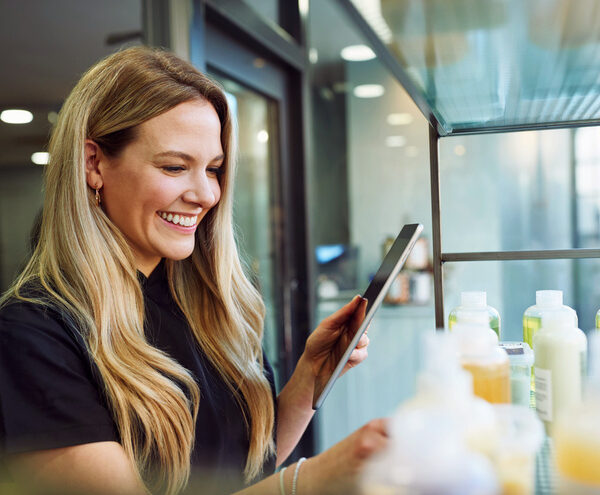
{"type": "Point", "coordinates": [35, 316]}
{"type": "Point", "coordinates": [32, 304]}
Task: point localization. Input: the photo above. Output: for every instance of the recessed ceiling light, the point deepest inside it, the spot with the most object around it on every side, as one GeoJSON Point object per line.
{"type": "Point", "coordinates": [52, 117]}
{"type": "Point", "coordinates": [262, 136]}
{"type": "Point", "coordinates": [40, 158]}
{"type": "Point", "coordinates": [357, 53]}
{"type": "Point", "coordinates": [16, 116]}
{"type": "Point", "coordinates": [368, 91]}
{"type": "Point", "coordinates": [395, 141]}
{"type": "Point", "coordinates": [459, 150]}
{"type": "Point", "coordinates": [399, 118]}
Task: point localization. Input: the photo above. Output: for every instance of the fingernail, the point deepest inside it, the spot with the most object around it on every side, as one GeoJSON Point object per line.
{"type": "Point", "coordinates": [364, 299]}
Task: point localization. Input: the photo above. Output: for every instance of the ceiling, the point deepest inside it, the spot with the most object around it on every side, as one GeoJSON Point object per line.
{"type": "Point", "coordinates": [46, 46]}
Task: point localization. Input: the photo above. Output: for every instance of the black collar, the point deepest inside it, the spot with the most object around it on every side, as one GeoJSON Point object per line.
{"type": "Point", "coordinates": [156, 285]}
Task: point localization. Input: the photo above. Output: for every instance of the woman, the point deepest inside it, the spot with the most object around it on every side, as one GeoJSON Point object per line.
{"type": "Point", "coordinates": [130, 346]}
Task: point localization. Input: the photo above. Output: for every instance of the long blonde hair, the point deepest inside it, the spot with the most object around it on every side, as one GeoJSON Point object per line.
{"type": "Point", "coordinates": [86, 267]}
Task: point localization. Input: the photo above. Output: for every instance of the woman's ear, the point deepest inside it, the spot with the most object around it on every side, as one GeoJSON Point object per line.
{"type": "Point", "coordinates": [93, 154]}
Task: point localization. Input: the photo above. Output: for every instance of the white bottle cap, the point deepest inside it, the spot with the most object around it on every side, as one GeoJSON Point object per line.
{"type": "Point", "coordinates": [548, 298]}
{"type": "Point", "coordinates": [473, 299]}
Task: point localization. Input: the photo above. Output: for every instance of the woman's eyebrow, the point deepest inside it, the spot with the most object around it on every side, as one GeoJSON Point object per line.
{"type": "Point", "coordinates": [176, 154]}
{"type": "Point", "coordinates": [184, 156]}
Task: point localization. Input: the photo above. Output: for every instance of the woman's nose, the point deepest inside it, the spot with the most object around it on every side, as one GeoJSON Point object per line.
{"type": "Point", "coordinates": [201, 191]}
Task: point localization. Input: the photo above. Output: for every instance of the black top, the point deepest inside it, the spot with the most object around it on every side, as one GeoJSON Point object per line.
{"type": "Point", "coordinates": [51, 393]}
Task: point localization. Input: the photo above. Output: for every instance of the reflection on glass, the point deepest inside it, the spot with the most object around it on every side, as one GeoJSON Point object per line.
{"type": "Point", "coordinates": [498, 62]}
{"type": "Point", "coordinates": [253, 198]}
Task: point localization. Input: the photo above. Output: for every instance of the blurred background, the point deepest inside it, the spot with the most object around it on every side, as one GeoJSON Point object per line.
{"type": "Point", "coordinates": [334, 159]}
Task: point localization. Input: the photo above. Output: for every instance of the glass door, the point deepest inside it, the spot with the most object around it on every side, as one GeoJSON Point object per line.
{"type": "Point", "coordinates": [255, 89]}
{"type": "Point", "coordinates": [255, 198]}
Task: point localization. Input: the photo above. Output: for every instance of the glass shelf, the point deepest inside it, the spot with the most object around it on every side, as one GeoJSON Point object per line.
{"type": "Point", "coordinates": [492, 65]}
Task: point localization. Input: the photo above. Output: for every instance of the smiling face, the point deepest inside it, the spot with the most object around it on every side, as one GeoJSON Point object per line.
{"type": "Point", "coordinates": [162, 184]}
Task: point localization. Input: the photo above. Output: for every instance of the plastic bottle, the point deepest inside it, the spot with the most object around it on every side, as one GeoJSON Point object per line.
{"type": "Point", "coordinates": [560, 350]}
{"type": "Point", "coordinates": [427, 455]}
{"type": "Point", "coordinates": [489, 365]}
{"type": "Point", "coordinates": [474, 302]}
{"type": "Point", "coordinates": [546, 301]}
{"type": "Point", "coordinates": [577, 436]}
{"type": "Point", "coordinates": [520, 356]}
{"type": "Point", "coordinates": [435, 437]}
{"type": "Point", "coordinates": [598, 320]}
{"type": "Point", "coordinates": [442, 383]}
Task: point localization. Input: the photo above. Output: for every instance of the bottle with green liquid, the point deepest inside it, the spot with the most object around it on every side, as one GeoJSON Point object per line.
{"type": "Point", "coordinates": [472, 305]}
{"type": "Point", "coordinates": [546, 302]}
{"type": "Point", "coordinates": [598, 320]}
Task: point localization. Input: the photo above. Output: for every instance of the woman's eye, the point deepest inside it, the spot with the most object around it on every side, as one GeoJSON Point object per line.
{"type": "Point", "coordinates": [173, 168]}
{"type": "Point", "coordinates": [218, 171]}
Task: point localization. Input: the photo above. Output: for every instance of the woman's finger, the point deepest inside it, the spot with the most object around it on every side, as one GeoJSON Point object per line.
{"type": "Point", "coordinates": [342, 315]}
{"type": "Point", "coordinates": [358, 356]}
{"type": "Point", "coordinates": [363, 341]}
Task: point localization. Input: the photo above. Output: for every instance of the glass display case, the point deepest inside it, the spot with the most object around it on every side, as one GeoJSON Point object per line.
{"type": "Point", "coordinates": [495, 66]}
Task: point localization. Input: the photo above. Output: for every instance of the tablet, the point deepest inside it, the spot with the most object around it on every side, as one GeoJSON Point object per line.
{"type": "Point", "coordinates": [376, 291]}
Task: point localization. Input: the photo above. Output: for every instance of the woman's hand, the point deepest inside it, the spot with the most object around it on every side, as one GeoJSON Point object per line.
{"type": "Point", "coordinates": [321, 355]}
{"type": "Point", "coordinates": [329, 340]}
{"type": "Point", "coordinates": [338, 469]}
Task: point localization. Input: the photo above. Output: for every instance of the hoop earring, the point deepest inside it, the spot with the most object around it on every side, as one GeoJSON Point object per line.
{"type": "Point", "coordinates": [98, 200]}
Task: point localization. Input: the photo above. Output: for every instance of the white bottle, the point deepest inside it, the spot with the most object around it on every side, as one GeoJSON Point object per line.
{"type": "Point", "coordinates": [429, 449]}
{"type": "Point", "coordinates": [560, 350]}
{"type": "Point", "coordinates": [443, 384]}
{"type": "Point", "coordinates": [471, 304]}
{"type": "Point", "coordinates": [546, 302]}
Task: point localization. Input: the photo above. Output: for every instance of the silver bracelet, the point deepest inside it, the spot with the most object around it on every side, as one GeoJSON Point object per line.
{"type": "Point", "coordinates": [295, 480]}
{"type": "Point", "coordinates": [281, 486]}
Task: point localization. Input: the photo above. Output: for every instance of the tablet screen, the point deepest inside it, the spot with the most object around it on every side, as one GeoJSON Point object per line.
{"type": "Point", "coordinates": [374, 294]}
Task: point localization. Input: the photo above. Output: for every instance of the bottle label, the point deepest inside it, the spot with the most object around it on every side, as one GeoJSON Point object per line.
{"type": "Point", "coordinates": [543, 393]}
{"type": "Point", "coordinates": [513, 349]}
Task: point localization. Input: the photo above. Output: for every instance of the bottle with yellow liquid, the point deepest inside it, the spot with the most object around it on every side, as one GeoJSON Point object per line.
{"type": "Point", "coordinates": [546, 301]}
{"type": "Point", "coordinates": [474, 303]}
{"type": "Point", "coordinates": [577, 436]}
{"type": "Point", "coordinates": [598, 320]}
{"type": "Point", "coordinates": [487, 362]}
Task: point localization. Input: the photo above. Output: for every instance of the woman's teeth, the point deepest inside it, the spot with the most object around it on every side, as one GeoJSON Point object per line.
{"type": "Point", "coordinates": [179, 219]}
